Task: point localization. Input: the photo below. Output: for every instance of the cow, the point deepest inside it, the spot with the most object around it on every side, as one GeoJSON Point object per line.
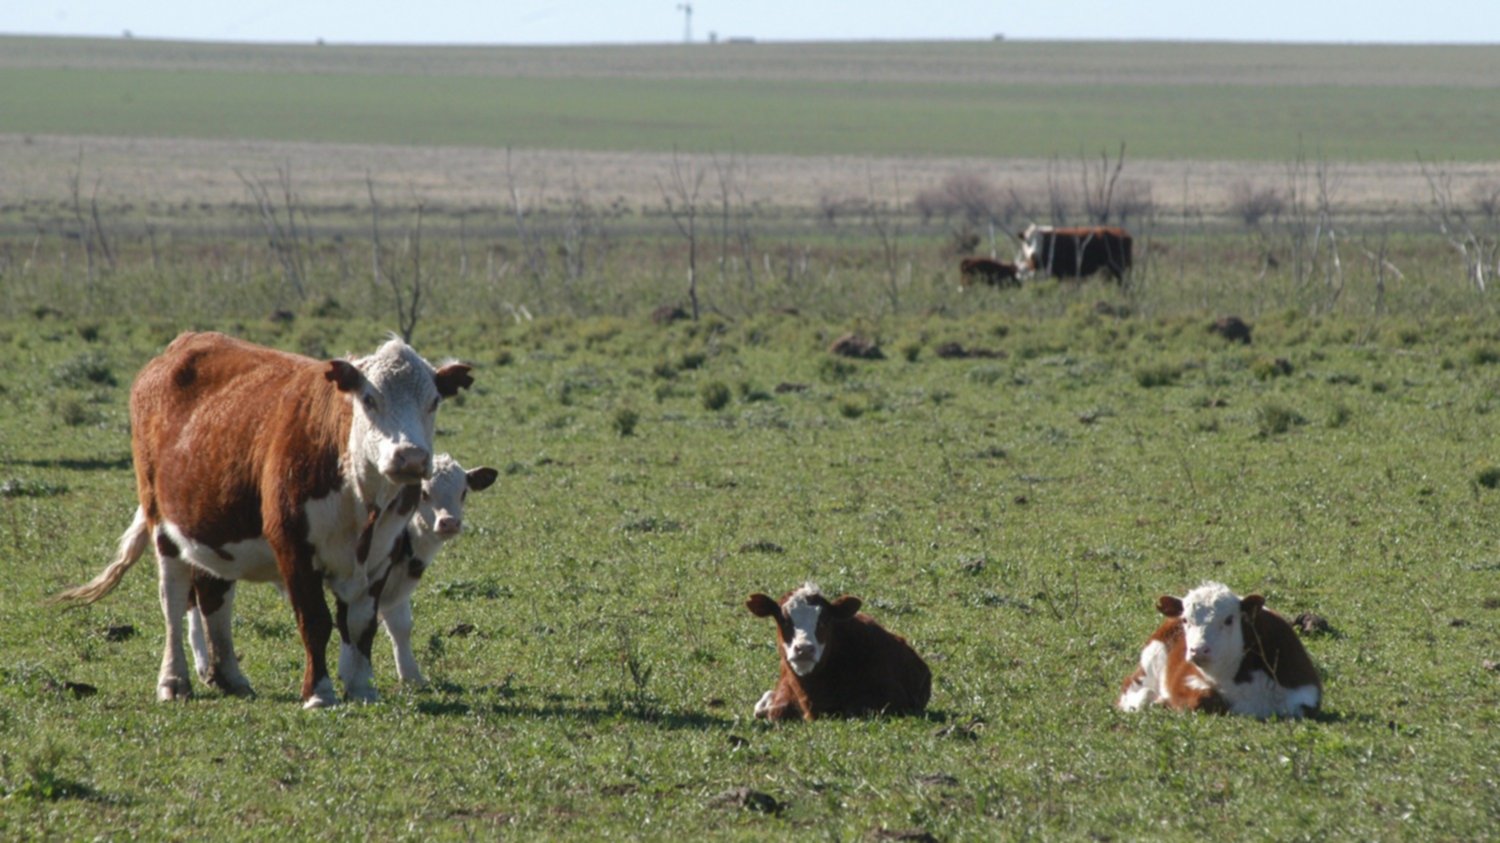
{"type": "Point", "coordinates": [438, 518]}
{"type": "Point", "coordinates": [987, 271]}
{"type": "Point", "coordinates": [836, 660]}
{"type": "Point", "coordinates": [248, 458]}
{"type": "Point", "coordinates": [1223, 654]}
{"type": "Point", "coordinates": [1075, 252]}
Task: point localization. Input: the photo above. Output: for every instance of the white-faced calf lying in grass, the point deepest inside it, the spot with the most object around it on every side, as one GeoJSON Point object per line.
{"type": "Point", "coordinates": [1220, 653]}
{"type": "Point", "coordinates": [837, 661]}
{"type": "Point", "coordinates": [438, 518]}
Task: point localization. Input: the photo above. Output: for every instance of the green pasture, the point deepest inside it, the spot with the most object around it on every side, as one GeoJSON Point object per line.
{"type": "Point", "coordinates": [1013, 515]}
{"type": "Point", "coordinates": [616, 99]}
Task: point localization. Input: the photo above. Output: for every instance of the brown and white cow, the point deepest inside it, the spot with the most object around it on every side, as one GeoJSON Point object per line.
{"type": "Point", "coordinates": [1223, 654]}
{"type": "Point", "coordinates": [836, 660]}
{"type": "Point", "coordinates": [987, 271]}
{"type": "Point", "coordinates": [248, 458]}
{"type": "Point", "coordinates": [1075, 252]}
{"type": "Point", "coordinates": [437, 520]}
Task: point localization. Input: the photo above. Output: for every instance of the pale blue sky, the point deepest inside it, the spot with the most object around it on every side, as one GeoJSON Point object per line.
{"type": "Point", "coordinates": [632, 21]}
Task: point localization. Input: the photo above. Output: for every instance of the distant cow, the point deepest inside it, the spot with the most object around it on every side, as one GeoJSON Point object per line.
{"type": "Point", "coordinates": [1075, 252]}
{"type": "Point", "coordinates": [438, 518]}
{"type": "Point", "coordinates": [987, 271]}
{"type": "Point", "coordinates": [247, 457]}
{"type": "Point", "coordinates": [837, 661]}
{"type": "Point", "coordinates": [1231, 328]}
{"type": "Point", "coordinates": [1223, 654]}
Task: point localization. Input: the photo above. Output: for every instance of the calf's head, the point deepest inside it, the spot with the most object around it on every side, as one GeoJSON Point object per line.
{"type": "Point", "coordinates": [441, 510]}
{"type": "Point", "coordinates": [395, 394]}
{"type": "Point", "coordinates": [803, 623]}
{"type": "Point", "coordinates": [1213, 623]}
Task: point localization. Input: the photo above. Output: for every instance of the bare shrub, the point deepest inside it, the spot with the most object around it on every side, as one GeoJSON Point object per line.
{"type": "Point", "coordinates": [964, 194]}
{"type": "Point", "coordinates": [1133, 199]}
{"type": "Point", "coordinates": [1251, 203]}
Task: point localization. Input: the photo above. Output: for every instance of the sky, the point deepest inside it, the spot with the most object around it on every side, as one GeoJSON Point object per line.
{"type": "Point", "coordinates": [663, 21]}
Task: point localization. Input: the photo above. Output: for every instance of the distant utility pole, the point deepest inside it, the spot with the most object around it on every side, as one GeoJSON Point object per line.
{"type": "Point", "coordinates": [687, 21]}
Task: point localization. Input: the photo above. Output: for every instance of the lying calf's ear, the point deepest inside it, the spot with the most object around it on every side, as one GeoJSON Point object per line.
{"type": "Point", "coordinates": [762, 606]}
{"type": "Point", "coordinates": [844, 608]}
{"type": "Point", "coordinates": [1251, 606]}
{"type": "Point", "coordinates": [1169, 606]}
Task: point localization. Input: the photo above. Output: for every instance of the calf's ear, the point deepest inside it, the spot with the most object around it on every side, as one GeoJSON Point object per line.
{"type": "Point", "coordinates": [482, 478]}
{"type": "Point", "coordinates": [844, 608]}
{"type": "Point", "coordinates": [453, 377]}
{"type": "Point", "coordinates": [1251, 606]}
{"type": "Point", "coordinates": [762, 606]}
{"type": "Point", "coordinates": [344, 375]}
{"type": "Point", "coordinates": [1169, 606]}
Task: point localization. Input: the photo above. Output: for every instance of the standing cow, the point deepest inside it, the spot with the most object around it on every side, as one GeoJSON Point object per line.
{"type": "Point", "coordinates": [247, 457]}
{"type": "Point", "coordinates": [1075, 252]}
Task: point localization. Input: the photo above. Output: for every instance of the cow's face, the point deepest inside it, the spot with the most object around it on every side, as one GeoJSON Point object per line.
{"type": "Point", "coordinates": [803, 620]}
{"type": "Point", "coordinates": [1213, 623]}
{"type": "Point", "coordinates": [1026, 256]}
{"type": "Point", "coordinates": [395, 394]}
{"type": "Point", "coordinates": [441, 511]}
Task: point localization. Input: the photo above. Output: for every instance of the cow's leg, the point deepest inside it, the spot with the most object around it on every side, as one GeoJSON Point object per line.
{"type": "Point", "coordinates": [397, 621]}
{"type": "Point", "coordinates": [175, 585]}
{"type": "Point", "coordinates": [214, 611]}
{"type": "Point", "coordinates": [357, 623]}
{"type": "Point", "coordinates": [304, 588]}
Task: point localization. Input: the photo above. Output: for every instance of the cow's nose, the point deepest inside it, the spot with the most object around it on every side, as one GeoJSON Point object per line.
{"type": "Point", "coordinates": [448, 525]}
{"type": "Point", "coordinates": [411, 461]}
{"type": "Point", "coordinates": [802, 650]}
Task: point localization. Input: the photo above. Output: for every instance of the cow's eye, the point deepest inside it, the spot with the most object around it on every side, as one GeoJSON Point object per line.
{"type": "Point", "coordinates": [369, 401]}
{"type": "Point", "coordinates": [1229, 621]}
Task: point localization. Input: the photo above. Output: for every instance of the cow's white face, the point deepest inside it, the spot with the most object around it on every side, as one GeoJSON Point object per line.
{"type": "Point", "coordinates": [802, 648]}
{"type": "Point", "coordinates": [395, 394]}
{"type": "Point", "coordinates": [440, 513]}
{"type": "Point", "coordinates": [1028, 247]}
{"type": "Point", "coordinates": [802, 620]}
{"type": "Point", "coordinates": [1212, 622]}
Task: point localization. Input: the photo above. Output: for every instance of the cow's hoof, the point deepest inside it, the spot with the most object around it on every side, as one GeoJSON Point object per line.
{"type": "Point", "coordinates": [240, 689]}
{"type": "Point", "coordinates": [174, 689]}
{"type": "Point", "coordinates": [763, 706]}
{"type": "Point", "coordinates": [322, 696]}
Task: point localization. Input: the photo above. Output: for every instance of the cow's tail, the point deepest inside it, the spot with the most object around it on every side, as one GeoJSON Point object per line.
{"type": "Point", "coordinates": [132, 545]}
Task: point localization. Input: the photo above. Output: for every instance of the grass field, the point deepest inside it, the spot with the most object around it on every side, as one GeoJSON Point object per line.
{"type": "Point", "coordinates": [1013, 516]}
{"type": "Point", "coordinates": [1181, 101]}
{"type": "Point", "coordinates": [1014, 513]}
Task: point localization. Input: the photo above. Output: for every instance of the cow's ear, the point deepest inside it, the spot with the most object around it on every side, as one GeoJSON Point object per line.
{"type": "Point", "coordinates": [844, 608]}
{"type": "Point", "coordinates": [1169, 606]}
{"type": "Point", "coordinates": [344, 375]}
{"type": "Point", "coordinates": [762, 606]}
{"type": "Point", "coordinates": [482, 478]}
{"type": "Point", "coordinates": [1251, 606]}
{"type": "Point", "coordinates": [453, 377]}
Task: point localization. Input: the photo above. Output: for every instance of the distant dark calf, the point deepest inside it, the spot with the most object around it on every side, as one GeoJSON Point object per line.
{"type": "Point", "coordinates": [987, 271]}
{"type": "Point", "coordinates": [1231, 328]}
{"type": "Point", "coordinates": [836, 661]}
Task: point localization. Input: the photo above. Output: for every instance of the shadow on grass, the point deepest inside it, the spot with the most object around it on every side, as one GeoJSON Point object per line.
{"type": "Point", "coordinates": [92, 464]}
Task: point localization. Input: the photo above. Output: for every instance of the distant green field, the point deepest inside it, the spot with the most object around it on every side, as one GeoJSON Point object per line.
{"type": "Point", "coordinates": [835, 104]}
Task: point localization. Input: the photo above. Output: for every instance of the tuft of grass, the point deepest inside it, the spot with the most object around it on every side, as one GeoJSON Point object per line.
{"type": "Point", "coordinates": [715, 395]}
{"type": "Point", "coordinates": [624, 421]}
{"type": "Point", "coordinates": [1274, 419]}
{"type": "Point", "coordinates": [92, 368]}
{"type": "Point", "coordinates": [1158, 374]}
{"type": "Point", "coordinates": [1488, 477]}
{"type": "Point", "coordinates": [1266, 368]}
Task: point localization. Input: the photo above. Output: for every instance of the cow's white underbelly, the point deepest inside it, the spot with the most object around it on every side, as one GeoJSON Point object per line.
{"type": "Point", "coordinates": [334, 528]}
